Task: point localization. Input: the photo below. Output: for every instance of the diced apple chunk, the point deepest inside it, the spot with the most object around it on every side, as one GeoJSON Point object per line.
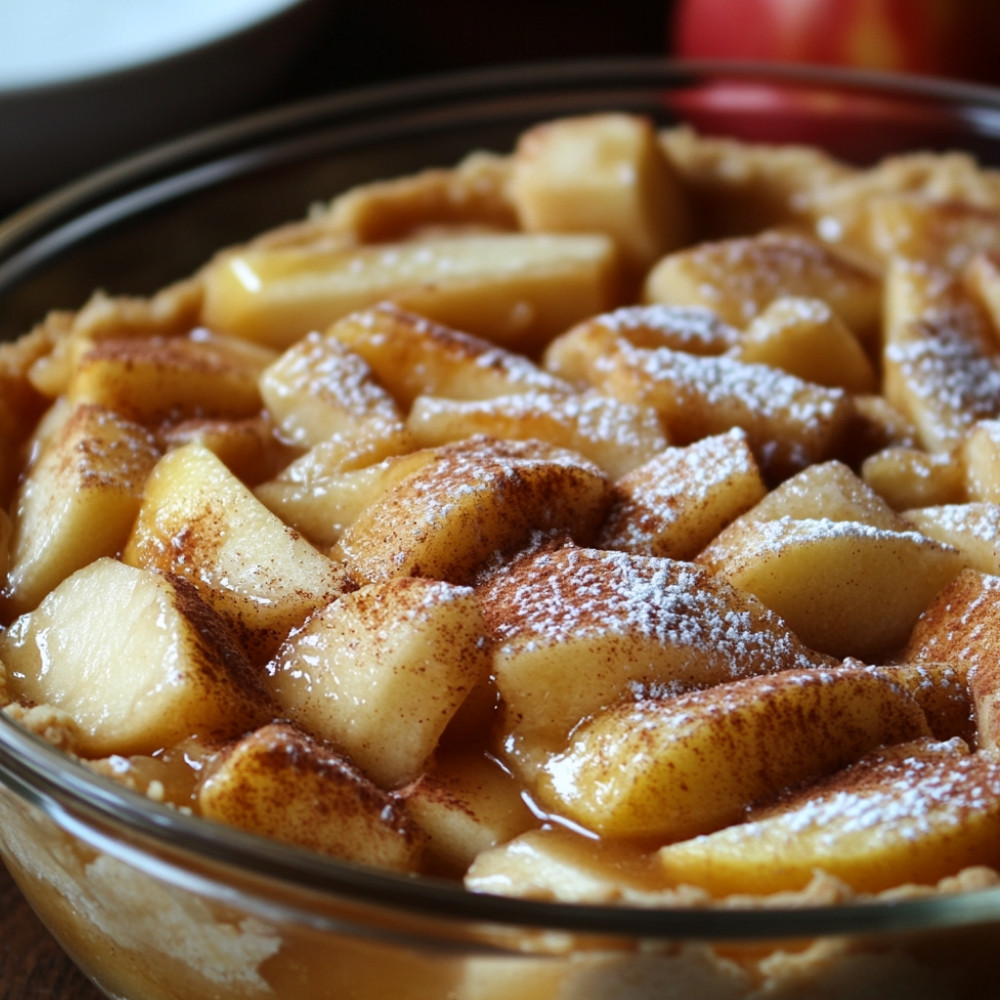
{"type": "Point", "coordinates": [280, 783]}
{"type": "Point", "coordinates": [971, 528]}
{"type": "Point", "coordinates": [614, 435]}
{"type": "Point", "coordinates": [601, 173]}
{"type": "Point", "coordinates": [519, 289]}
{"type": "Point", "coordinates": [576, 354]}
{"type": "Point", "coordinates": [412, 356]}
{"type": "Point", "coordinates": [676, 768]}
{"type": "Point", "coordinates": [199, 521]}
{"type": "Point", "coordinates": [380, 672]}
{"type": "Point", "coordinates": [324, 491]}
{"type": "Point", "coordinates": [77, 500]}
{"type": "Point", "coordinates": [319, 389]}
{"type": "Point", "coordinates": [828, 490]}
{"type": "Point", "coordinates": [962, 625]}
{"type": "Point", "coordinates": [908, 477]}
{"type": "Point", "coordinates": [805, 337]}
{"type": "Point", "coordinates": [979, 454]}
{"type": "Point", "coordinates": [790, 423]}
{"type": "Point", "coordinates": [913, 814]}
{"type": "Point", "coordinates": [476, 501]}
{"type": "Point", "coordinates": [466, 805]}
{"type": "Point", "coordinates": [153, 379]}
{"type": "Point", "coordinates": [580, 630]}
{"type": "Point", "coordinates": [941, 361]}
{"type": "Point", "coordinates": [679, 500]}
{"type": "Point", "coordinates": [738, 278]}
{"type": "Point", "coordinates": [946, 233]}
{"type": "Point", "coordinates": [824, 577]}
{"type": "Point", "coordinates": [136, 658]}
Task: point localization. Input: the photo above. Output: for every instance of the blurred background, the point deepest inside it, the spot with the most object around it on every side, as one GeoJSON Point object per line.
{"type": "Point", "coordinates": [85, 83]}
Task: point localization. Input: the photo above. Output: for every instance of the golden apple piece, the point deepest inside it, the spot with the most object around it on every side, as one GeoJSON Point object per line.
{"type": "Point", "coordinates": [946, 233]}
{"type": "Point", "coordinates": [282, 784]}
{"type": "Point", "coordinates": [979, 456]}
{"type": "Point", "coordinates": [805, 337]}
{"type": "Point", "coordinates": [790, 423]}
{"type": "Point", "coordinates": [673, 768]}
{"type": "Point", "coordinates": [740, 187]}
{"type": "Point", "coordinates": [411, 357]}
{"type": "Point", "coordinates": [319, 389]}
{"type": "Point", "coordinates": [578, 355]}
{"type": "Point", "coordinates": [76, 501]}
{"type": "Point", "coordinates": [199, 521]}
{"type": "Point", "coordinates": [171, 311]}
{"type": "Point", "coordinates": [829, 490]}
{"type": "Point", "coordinates": [693, 329]}
{"type": "Point", "coordinates": [519, 289]}
{"type": "Point", "coordinates": [738, 278]}
{"type": "Point", "coordinates": [941, 689]}
{"type": "Point", "coordinates": [614, 435]}
{"type": "Point", "coordinates": [601, 173]}
{"type": "Point", "coordinates": [380, 672]}
{"type": "Point", "coordinates": [473, 193]}
{"type": "Point", "coordinates": [971, 528]}
{"type": "Point", "coordinates": [249, 447]}
{"type": "Point", "coordinates": [553, 864]}
{"type": "Point", "coordinates": [916, 813]}
{"type": "Point", "coordinates": [466, 804]}
{"type": "Point", "coordinates": [824, 577]}
{"type": "Point", "coordinates": [325, 490]}
{"type": "Point", "coordinates": [678, 501]}
{"type": "Point", "coordinates": [962, 625]}
{"type": "Point", "coordinates": [907, 477]}
{"type": "Point", "coordinates": [152, 380]}
{"type": "Point", "coordinates": [136, 658]}
{"type": "Point", "coordinates": [941, 362]}
{"type": "Point", "coordinates": [981, 277]}
{"type": "Point", "coordinates": [577, 631]}
{"type": "Point", "coordinates": [477, 501]}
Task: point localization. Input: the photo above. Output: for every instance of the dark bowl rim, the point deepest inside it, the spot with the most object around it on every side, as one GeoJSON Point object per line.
{"type": "Point", "coordinates": [46, 777]}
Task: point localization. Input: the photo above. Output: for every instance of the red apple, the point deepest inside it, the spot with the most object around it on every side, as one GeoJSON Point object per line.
{"type": "Point", "coordinates": [955, 38]}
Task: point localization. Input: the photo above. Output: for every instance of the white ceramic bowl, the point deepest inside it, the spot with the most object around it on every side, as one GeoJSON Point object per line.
{"type": "Point", "coordinates": [82, 84]}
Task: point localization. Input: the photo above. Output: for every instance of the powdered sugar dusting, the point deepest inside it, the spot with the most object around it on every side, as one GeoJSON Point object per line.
{"type": "Point", "coordinates": [573, 593]}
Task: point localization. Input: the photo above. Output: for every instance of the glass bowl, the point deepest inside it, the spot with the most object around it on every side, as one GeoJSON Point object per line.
{"type": "Point", "coordinates": [154, 904]}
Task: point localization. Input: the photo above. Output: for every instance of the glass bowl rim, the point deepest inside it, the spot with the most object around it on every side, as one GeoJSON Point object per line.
{"type": "Point", "coordinates": [49, 778]}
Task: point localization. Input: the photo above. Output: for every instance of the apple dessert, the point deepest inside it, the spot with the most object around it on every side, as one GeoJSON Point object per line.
{"type": "Point", "coordinates": [615, 518]}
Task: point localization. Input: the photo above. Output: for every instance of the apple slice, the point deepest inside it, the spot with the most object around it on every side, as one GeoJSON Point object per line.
{"type": "Point", "coordinates": [739, 277]}
{"type": "Point", "coordinates": [77, 501]}
{"type": "Point", "coordinates": [519, 289]}
{"type": "Point", "coordinates": [824, 577]}
{"type": "Point", "coordinates": [280, 783]}
{"type": "Point", "coordinates": [380, 672]}
{"type": "Point", "coordinates": [601, 173]}
{"type": "Point", "coordinates": [157, 379]}
{"type": "Point", "coordinates": [319, 390]}
{"type": "Point", "coordinates": [679, 500]}
{"type": "Point", "coordinates": [412, 356]}
{"type": "Point", "coordinates": [199, 521]}
{"type": "Point", "coordinates": [678, 767]}
{"type": "Point", "coordinates": [962, 625]}
{"type": "Point", "coordinates": [579, 630]}
{"type": "Point", "coordinates": [136, 658]}
{"type": "Point", "coordinates": [916, 813]}
{"type": "Point", "coordinates": [614, 435]}
{"type": "Point", "coordinates": [477, 501]}
{"type": "Point", "coordinates": [467, 804]}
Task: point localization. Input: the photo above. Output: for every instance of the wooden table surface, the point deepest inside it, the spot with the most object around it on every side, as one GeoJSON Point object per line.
{"type": "Point", "coordinates": [32, 965]}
